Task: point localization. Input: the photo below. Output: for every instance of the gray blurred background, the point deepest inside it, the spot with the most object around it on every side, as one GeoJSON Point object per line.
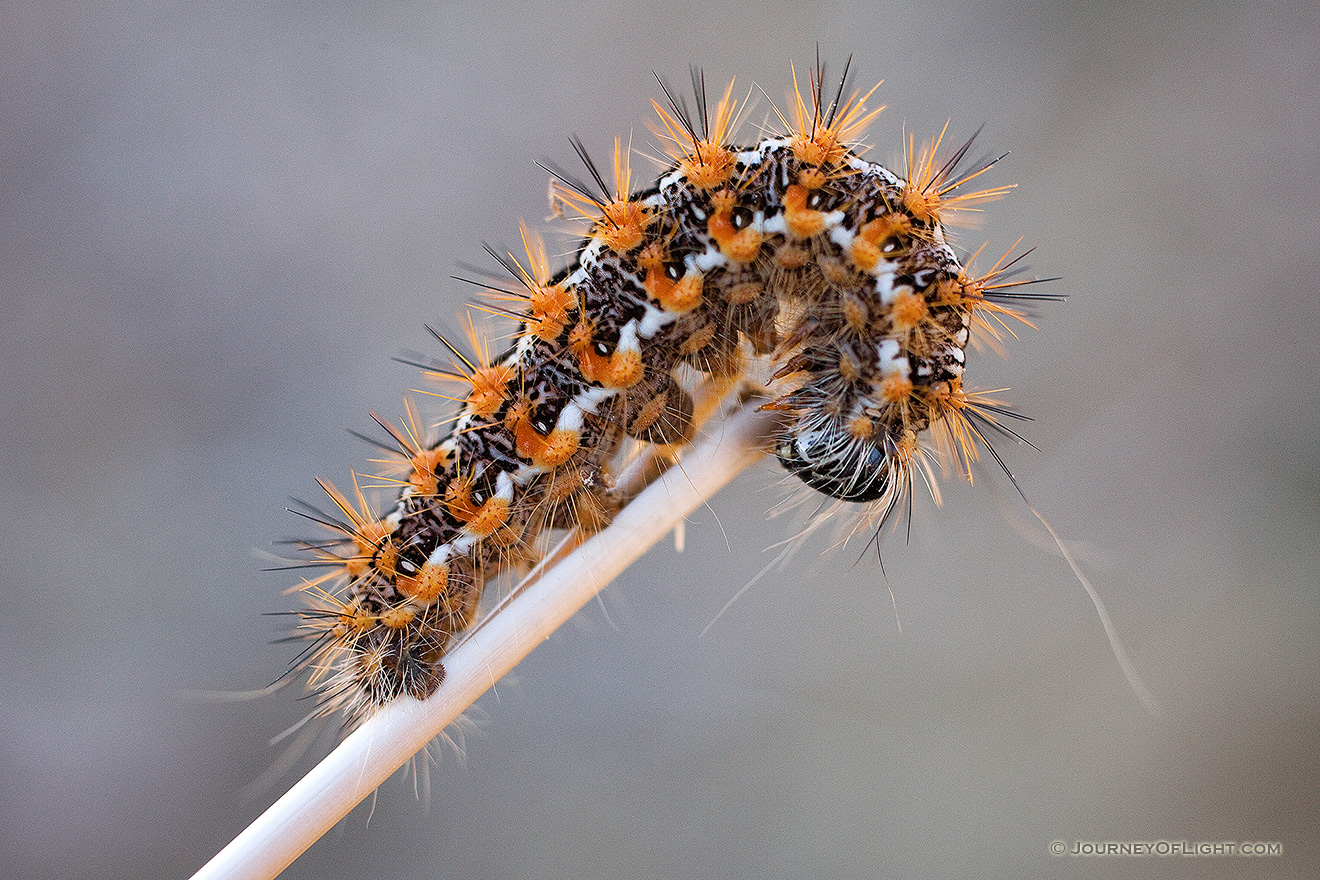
{"type": "Point", "coordinates": [218, 226]}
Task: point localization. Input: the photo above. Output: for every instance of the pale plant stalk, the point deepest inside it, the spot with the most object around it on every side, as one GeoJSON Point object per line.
{"type": "Point", "coordinates": [390, 737]}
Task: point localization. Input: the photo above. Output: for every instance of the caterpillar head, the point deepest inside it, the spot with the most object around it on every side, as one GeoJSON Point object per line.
{"type": "Point", "coordinates": [829, 459]}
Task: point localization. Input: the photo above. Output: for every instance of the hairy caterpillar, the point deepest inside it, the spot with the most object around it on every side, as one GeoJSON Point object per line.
{"type": "Point", "coordinates": [792, 262]}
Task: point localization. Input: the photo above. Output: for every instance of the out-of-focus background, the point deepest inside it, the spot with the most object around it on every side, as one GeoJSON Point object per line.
{"type": "Point", "coordinates": [218, 225]}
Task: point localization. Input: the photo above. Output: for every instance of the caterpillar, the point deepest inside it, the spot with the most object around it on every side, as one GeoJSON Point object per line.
{"type": "Point", "coordinates": [793, 262]}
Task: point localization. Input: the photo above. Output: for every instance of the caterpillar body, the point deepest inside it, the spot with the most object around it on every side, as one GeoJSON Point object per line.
{"type": "Point", "coordinates": [794, 252]}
